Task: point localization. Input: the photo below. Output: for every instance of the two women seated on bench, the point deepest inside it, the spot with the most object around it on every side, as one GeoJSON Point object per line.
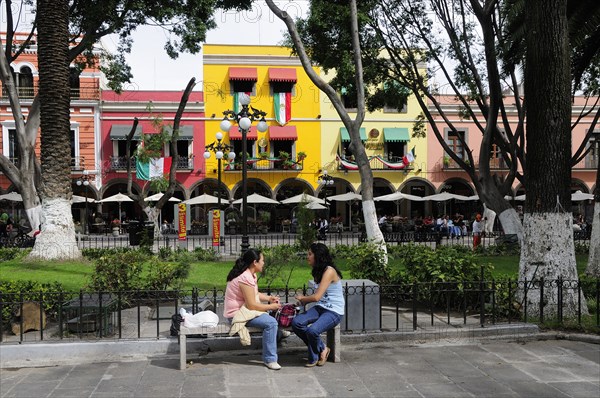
{"type": "Point", "coordinates": [244, 303]}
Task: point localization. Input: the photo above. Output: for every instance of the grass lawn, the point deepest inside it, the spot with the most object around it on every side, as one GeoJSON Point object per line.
{"type": "Point", "coordinates": [206, 275]}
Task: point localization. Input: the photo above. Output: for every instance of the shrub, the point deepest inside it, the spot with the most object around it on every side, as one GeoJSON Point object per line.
{"type": "Point", "coordinates": [96, 253]}
{"type": "Point", "coordinates": [163, 275]}
{"type": "Point", "coordinates": [368, 262]}
{"type": "Point", "coordinates": [209, 254]}
{"type": "Point", "coordinates": [118, 271]}
{"type": "Point", "coordinates": [306, 233]}
{"type": "Point", "coordinates": [10, 253]}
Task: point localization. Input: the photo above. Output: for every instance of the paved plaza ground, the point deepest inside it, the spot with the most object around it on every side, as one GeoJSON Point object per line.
{"type": "Point", "coordinates": [461, 368]}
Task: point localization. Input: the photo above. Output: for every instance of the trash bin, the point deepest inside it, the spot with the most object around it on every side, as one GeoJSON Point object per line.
{"type": "Point", "coordinates": [148, 229]}
{"type": "Point", "coordinates": [134, 229]}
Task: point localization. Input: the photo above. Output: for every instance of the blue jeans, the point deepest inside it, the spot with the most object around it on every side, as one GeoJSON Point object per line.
{"type": "Point", "coordinates": [268, 324]}
{"type": "Point", "coordinates": [320, 320]}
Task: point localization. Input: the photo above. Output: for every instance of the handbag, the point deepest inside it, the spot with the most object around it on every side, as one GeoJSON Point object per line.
{"type": "Point", "coordinates": [286, 314]}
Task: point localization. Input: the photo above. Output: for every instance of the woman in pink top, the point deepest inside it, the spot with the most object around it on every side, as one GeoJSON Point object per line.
{"type": "Point", "coordinates": [243, 289]}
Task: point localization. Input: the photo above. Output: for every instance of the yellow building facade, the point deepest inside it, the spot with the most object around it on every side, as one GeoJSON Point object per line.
{"type": "Point", "coordinates": [313, 130]}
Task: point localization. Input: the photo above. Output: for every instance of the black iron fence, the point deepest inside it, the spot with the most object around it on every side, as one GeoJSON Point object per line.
{"type": "Point", "coordinates": [83, 315]}
{"type": "Point", "coordinates": [231, 244]}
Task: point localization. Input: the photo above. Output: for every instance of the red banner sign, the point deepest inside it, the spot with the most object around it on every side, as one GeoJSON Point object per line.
{"type": "Point", "coordinates": [216, 230]}
{"type": "Point", "coordinates": [182, 226]}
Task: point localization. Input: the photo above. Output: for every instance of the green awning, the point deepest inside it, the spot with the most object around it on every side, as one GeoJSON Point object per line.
{"type": "Point", "coordinates": [346, 135]}
{"type": "Point", "coordinates": [186, 133]}
{"type": "Point", "coordinates": [395, 134]}
{"type": "Point", "coordinates": [118, 132]}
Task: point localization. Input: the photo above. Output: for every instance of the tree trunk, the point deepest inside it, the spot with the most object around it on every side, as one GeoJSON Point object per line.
{"type": "Point", "coordinates": [548, 251]}
{"type": "Point", "coordinates": [57, 237]}
{"type": "Point", "coordinates": [153, 215]}
{"type": "Point", "coordinates": [490, 195]}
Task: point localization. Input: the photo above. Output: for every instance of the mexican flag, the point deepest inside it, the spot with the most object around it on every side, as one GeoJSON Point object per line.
{"type": "Point", "coordinates": [156, 168]}
{"type": "Point", "coordinates": [409, 157]}
{"type": "Point", "coordinates": [283, 107]}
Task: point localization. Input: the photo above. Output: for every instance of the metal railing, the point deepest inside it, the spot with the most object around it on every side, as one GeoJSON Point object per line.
{"type": "Point", "coordinates": [94, 315]}
{"type": "Point", "coordinates": [85, 91]}
{"type": "Point", "coordinates": [120, 163]}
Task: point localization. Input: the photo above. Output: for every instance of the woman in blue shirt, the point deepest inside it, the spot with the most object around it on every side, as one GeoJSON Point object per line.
{"type": "Point", "coordinates": [329, 308]}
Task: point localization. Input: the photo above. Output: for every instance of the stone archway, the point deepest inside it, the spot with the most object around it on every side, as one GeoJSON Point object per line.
{"type": "Point", "coordinates": [286, 189]}
{"type": "Point", "coordinates": [110, 210]}
{"type": "Point", "coordinates": [416, 186]}
{"type": "Point", "coordinates": [259, 187]}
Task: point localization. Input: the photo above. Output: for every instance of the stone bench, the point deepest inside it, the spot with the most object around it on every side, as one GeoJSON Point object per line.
{"type": "Point", "coordinates": [222, 331]}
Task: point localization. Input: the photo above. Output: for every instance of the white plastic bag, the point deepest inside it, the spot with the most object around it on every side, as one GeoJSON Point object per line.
{"type": "Point", "coordinates": [201, 319]}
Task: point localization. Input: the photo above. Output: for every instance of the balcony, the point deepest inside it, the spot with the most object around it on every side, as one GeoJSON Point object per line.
{"type": "Point", "coordinates": [266, 164]}
{"type": "Point", "coordinates": [89, 91]}
{"type": "Point", "coordinates": [377, 163]}
{"type": "Point", "coordinates": [119, 163]}
{"type": "Point", "coordinates": [450, 165]}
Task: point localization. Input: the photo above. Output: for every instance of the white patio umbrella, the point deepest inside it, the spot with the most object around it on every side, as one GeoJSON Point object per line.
{"type": "Point", "coordinates": [398, 196]}
{"type": "Point", "coordinates": [12, 196]}
{"type": "Point", "coordinates": [157, 196]}
{"type": "Point", "coordinates": [315, 206]}
{"type": "Point", "coordinates": [82, 199]}
{"type": "Point", "coordinates": [520, 198]}
{"type": "Point", "coordinates": [444, 196]}
{"type": "Point", "coordinates": [117, 198]}
{"type": "Point", "coordinates": [472, 197]}
{"type": "Point", "coordinates": [202, 200]}
{"type": "Point", "coordinates": [257, 199]}
{"type": "Point", "coordinates": [579, 196]}
{"type": "Point", "coordinates": [345, 197]}
{"type": "Point", "coordinates": [306, 197]}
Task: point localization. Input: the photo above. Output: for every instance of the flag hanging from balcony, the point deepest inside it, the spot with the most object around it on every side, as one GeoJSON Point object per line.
{"type": "Point", "coordinates": [409, 157]}
{"type": "Point", "coordinates": [283, 107]}
{"type": "Point", "coordinates": [156, 168]}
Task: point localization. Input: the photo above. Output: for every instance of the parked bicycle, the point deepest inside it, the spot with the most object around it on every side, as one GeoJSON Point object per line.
{"type": "Point", "coordinates": [21, 239]}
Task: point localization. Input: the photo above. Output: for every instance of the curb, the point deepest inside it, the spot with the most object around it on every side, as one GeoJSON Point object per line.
{"type": "Point", "coordinates": [61, 353]}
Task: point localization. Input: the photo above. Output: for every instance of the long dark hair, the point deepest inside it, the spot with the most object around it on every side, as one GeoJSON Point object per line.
{"type": "Point", "coordinates": [322, 261]}
{"type": "Point", "coordinates": [242, 263]}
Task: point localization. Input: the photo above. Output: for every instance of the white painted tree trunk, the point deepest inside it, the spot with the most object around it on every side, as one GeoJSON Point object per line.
{"type": "Point", "coordinates": [593, 266]}
{"type": "Point", "coordinates": [57, 238]}
{"type": "Point", "coordinates": [34, 216]}
{"type": "Point", "coordinates": [153, 215]}
{"type": "Point", "coordinates": [511, 223]}
{"type": "Point", "coordinates": [548, 253]}
{"type": "Point", "coordinates": [372, 227]}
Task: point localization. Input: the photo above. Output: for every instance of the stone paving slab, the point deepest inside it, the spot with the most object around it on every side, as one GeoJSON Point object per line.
{"type": "Point", "coordinates": [547, 368]}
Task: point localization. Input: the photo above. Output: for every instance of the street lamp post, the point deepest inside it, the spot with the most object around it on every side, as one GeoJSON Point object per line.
{"type": "Point", "coordinates": [84, 180]}
{"type": "Point", "coordinates": [324, 180]}
{"type": "Point", "coordinates": [220, 150]}
{"type": "Point", "coordinates": [244, 119]}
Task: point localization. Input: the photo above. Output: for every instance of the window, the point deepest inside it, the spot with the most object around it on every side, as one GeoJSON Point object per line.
{"type": "Point", "coordinates": [395, 151]}
{"type": "Point", "coordinates": [496, 161]}
{"type": "Point", "coordinates": [13, 146]}
{"type": "Point", "coordinates": [74, 82]}
{"type": "Point", "coordinates": [242, 86]}
{"type": "Point", "coordinates": [120, 146]}
{"type": "Point", "coordinates": [395, 97]}
{"type": "Point", "coordinates": [25, 82]}
{"type": "Point", "coordinates": [593, 156]}
{"type": "Point", "coordinates": [453, 139]}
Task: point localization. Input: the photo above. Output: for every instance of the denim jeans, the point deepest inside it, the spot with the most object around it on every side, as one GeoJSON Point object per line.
{"type": "Point", "coordinates": [309, 326]}
{"type": "Point", "coordinates": [268, 324]}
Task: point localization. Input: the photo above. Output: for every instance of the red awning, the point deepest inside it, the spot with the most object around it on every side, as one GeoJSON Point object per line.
{"type": "Point", "coordinates": [234, 133]}
{"type": "Point", "coordinates": [283, 133]}
{"type": "Point", "coordinates": [282, 75]}
{"type": "Point", "coordinates": [248, 74]}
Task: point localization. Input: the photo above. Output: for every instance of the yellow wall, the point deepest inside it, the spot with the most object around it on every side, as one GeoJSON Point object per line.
{"type": "Point", "coordinates": [305, 105]}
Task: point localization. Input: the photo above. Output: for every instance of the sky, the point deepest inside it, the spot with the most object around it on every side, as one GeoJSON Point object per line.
{"type": "Point", "coordinates": [152, 69]}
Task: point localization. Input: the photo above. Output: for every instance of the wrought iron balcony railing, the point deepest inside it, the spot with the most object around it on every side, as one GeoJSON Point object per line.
{"type": "Point", "coordinates": [119, 163]}
{"type": "Point", "coordinates": [86, 91]}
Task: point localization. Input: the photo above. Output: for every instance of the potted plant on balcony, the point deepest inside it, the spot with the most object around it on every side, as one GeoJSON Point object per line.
{"type": "Point", "coordinates": [263, 155]}
{"type": "Point", "coordinates": [446, 161]}
{"type": "Point", "coordinates": [301, 156]}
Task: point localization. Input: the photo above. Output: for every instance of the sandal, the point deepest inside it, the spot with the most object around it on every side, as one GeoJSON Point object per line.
{"type": "Point", "coordinates": [310, 365]}
{"type": "Point", "coordinates": [323, 357]}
